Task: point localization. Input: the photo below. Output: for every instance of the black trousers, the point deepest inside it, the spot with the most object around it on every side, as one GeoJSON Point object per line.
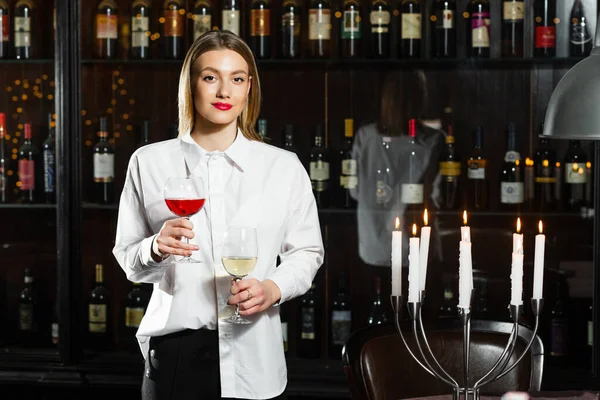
{"type": "Point", "coordinates": [183, 366]}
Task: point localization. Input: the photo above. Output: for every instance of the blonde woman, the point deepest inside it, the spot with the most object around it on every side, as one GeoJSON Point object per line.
{"type": "Point", "coordinates": [190, 352]}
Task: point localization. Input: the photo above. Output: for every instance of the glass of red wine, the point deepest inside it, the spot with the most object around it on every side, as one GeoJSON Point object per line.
{"type": "Point", "coordinates": [185, 197]}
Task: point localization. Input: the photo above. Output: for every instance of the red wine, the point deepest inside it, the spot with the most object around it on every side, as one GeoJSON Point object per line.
{"type": "Point", "coordinates": [99, 313]}
{"type": "Point", "coordinates": [340, 320]}
{"type": "Point", "coordinates": [290, 29]}
{"type": "Point", "coordinates": [513, 18]}
{"type": "Point", "coordinates": [104, 166]}
{"type": "Point", "coordinates": [171, 38]}
{"type": "Point", "coordinates": [230, 17]}
{"type": "Point", "coordinates": [4, 29]}
{"type": "Point", "coordinates": [450, 167]}
{"type": "Point", "coordinates": [29, 166]}
{"type": "Point", "coordinates": [379, 19]}
{"type": "Point", "coordinates": [444, 29]}
{"type": "Point", "coordinates": [348, 166]}
{"type": "Point", "coordinates": [575, 173]}
{"type": "Point", "coordinates": [477, 180]}
{"type": "Point", "coordinates": [28, 312]}
{"type": "Point", "coordinates": [309, 343]}
{"type": "Point", "coordinates": [140, 29]}
{"type": "Point", "coordinates": [185, 207]}
{"type": "Point", "coordinates": [23, 26]}
{"type": "Point", "coordinates": [49, 159]}
{"type": "Point", "coordinates": [106, 30]}
{"type": "Point", "coordinates": [203, 18]}
{"type": "Point", "coordinates": [410, 42]}
{"type": "Point", "coordinates": [479, 28]}
{"type": "Point", "coordinates": [580, 36]}
{"type": "Point", "coordinates": [545, 178]}
{"type": "Point", "coordinates": [511, 177]}
{"type": "Point", "coordinates": [260, 28]}
{"type": "Point", "coordinates": [412, 190]}
{"type": "Point", "coordinates": [319, 28]}
{"type": "Point", "coordinates": [351, 29]}
{"type": "Point", "coordinates": [3, 161]}
{"type": "Point", "coordinates": [545, 28]}
{"type": "Point", "coordinates": [319, 169]}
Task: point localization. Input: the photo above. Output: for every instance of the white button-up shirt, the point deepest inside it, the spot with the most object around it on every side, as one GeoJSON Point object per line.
{"type": "Point", "coordinates": [250, 184]}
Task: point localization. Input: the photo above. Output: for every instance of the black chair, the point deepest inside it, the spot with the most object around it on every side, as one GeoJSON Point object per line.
{"type": "Point", "coordinates": [378, 366]}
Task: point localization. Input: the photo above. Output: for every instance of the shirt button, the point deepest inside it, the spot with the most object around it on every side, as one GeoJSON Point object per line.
{"type": "Point", "coordinates": [148, 373]}
{"type": "Point", "coordinates": [152, 353]}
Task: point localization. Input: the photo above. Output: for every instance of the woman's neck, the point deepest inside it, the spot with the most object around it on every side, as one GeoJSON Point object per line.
{"type": "Point", "coordinates": [212, 137]}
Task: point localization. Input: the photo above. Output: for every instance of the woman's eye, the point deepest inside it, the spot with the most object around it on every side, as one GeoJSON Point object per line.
{"type": "Point", "coordinates": [209, 78]}
{"type": "Point", "coordinates": [238, 80]}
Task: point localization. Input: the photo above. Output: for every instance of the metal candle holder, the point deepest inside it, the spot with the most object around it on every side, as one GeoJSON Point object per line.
{"type": "Point", "coordinates": [467, 389]}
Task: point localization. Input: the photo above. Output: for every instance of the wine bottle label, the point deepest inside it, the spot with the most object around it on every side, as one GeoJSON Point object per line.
{"type": "Point", "coordinates": [97, 318]}
{"type": "Point", "coordinates": [308, 324]}
{"type": "Point", "coordinates": [140, 31]}
{"type": "Point", "coordinates": [284, 335]}
{"type": "Point", "coordinates": [106, 26]}
{"type": "Point", "coordinates": [202, 24]}
{"type": "Point", "coordinates": [54, 329]}
{"type": "Point", "coordinates": [512, 156]}
{"type": "Point", "coordinates": [383, 193]}
{"type": "Point", "coordinates": [22, 32]}
{"type": "Point", "coordinates": [476, 169]}
{"type": "Point", "coordinates": [580, 34]}
{"type": "Point", "coordinates": [512, 192]}
{"type": "Point", "coordinates": [351, 25]}
{"type": "Point", "coordinates": [290, 22]}
{"type": "Point", "coordinates": [445, 19]}
{"type": "Point", "coordinates": [26, 317]}
{"type": "Point", "coordinates": [544, 179]}
{"type": "Point", "coordinates": [319, 171]}
{"type": "Point", "coordinates": [231, 21]}
{"type": "Point", "coordinates": [27, 174]}
{"type": "Point", "coordinates": [380, 21]}
{"type": "Point", "coordinates": [513, 11]}
{"type": "Point", "coordinates": [411, 26]}
{"type": "Point", "coordinates": [260, 22]}
{"type": "Point", "coordinates": [560, 336]}
{"type": "Point", "coordinates": [319, 24]}
{"type": "Point", "coordinates": [348, 182]}
{"type": "Point", "coordinates": [133, 316]}
{"type": "Point", "coordinates": [341, 322]}
{"type": "Point", "coordinates": [104, 167]}
{"type": "Point", "coordinates": [449, 168]}
{"type": "Point", "coordinates": [4, 28]}
{"type": "Point", "coordinates": [575, 173]}
{"type": "Point", "coordinates": [349, 167]}
{"type": "Point", "coordinates": [545, 37]}
{"type": "Point", "coordinates": [49, 171]}
{"type": "Point", "coordinates": [590, 333]}
{"type": "Point", "coordinates": [412, 193]}
{"type": "Point", "coordinates": [174, 23]}
{"type": "Point", "coordinates": [480, 29]}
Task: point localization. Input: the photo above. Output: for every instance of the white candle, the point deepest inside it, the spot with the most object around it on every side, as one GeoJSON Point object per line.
{"type": "Point", "coordinates": [465, 275]}
{"type": "Point", "coordinates": [424, 251]}
{"type": "Point", "coordinates": [397, 260]}
{"type": "Point", "coordinates": [518, 239]}
{"type": "Point", "coordinates": [414, 289]}
{"type": "Point", "coordinates": [516, 280]}
{"type": "Point", "coordinates": [538, 264]}
{"type": "Point", "coordinates": [465, 231]}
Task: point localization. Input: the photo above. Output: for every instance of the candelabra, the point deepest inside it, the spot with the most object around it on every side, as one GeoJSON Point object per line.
{"type": "Point", "coordinates": [429, 362]}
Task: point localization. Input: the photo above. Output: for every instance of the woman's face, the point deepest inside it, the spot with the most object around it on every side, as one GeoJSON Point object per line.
{"type": "Point", "coordinates": [220, 86]}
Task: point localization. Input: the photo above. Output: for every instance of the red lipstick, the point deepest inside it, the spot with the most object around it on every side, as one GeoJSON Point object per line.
{"type": "Point", "coordinates": [222, 106]}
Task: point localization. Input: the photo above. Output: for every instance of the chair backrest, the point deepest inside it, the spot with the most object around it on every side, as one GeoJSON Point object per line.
{"type": "Point", "coordinates": [378, 366]}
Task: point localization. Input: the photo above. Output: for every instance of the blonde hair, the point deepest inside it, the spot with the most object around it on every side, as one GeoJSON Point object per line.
{"type": "Point", "coordinates": [218, 40]}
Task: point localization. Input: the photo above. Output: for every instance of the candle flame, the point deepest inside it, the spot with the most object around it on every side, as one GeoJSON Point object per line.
{"type": "Point", "coordinates": [425, 219]}
{"type": "Point", "coordinates": [465, 217]}
{"type": "Point", "coordinates": [519, 225]}
{"type": "Point", "coordinates": [414, 231]}
{"type": "Point", "coordinates": [397, 223]}
{"type": "Point", "coordinates": [541, 227]}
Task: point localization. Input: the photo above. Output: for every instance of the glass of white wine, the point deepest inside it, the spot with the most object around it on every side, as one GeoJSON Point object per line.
{"type": "Point", "coordinates": [239, 257]}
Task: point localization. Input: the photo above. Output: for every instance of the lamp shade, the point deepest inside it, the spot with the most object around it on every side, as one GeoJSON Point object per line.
{"type": "Point", "coordinates": [574, 108]}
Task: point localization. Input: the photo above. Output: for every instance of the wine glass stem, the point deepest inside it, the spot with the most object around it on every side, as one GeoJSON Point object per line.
{"type": "Point", "coordinates": [237, 306]}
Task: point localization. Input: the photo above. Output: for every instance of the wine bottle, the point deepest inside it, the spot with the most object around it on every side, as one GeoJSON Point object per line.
{"type": "Point", "coordinates": [262, 129]}
{"type": "Point", "coordinates": [29, 164]}
{"type": "Point", "coordinates": [511, 177]}
{"type": "Point", "coordinates": [290, 29]}
{"type": "Point", "coordinates": [477, 181]}
{"type": "Point", "coordinates": [448, 306]}
{"type": "Point", "coordinates": [104, 166]}
{"type": "Point", "coordinates": [4, 29]}
{"type": "Point", "coordinates": [545, 28]}
{"type": "Point", "coordinates": [231, 20]}
{"type": "Point", "coordinates": [379, 19]}
{"type": "Point", "coordinates": [98, 312]}
{"type": "Point", "coordinates": [340, 320]}
{"type": "Point", "coordinates": [173, 27]}
{"type": "Point", "coordinates": [480, 308]}
{"type": "Point", "coordinates": [383, 178]}
{"type": "Point", "coordinates": [23, 25]}
{"type": "Point", "coordinates": [349, 166]}
{"type": "Point", "coordinates": [49, 158]}
{"type": "Point", "coordinates": [144, 134]}
{"type": "Point", "coordinates": [28, 311]}
{"type": "Point", "coordinates": [479, 32]}
{"type": "Point", "coordinates": [54, 327]}
{"type": "Point", "coordinates": [135, 308]}
{"type": "Point", "coordinates": [450, 167]}
{"type": "Point", "coordinates": [580, 35]}
{"type": "Point", "coordinates": [203, 18]}
{"type": "Point", "coordinates": [319, 28]}
{"type": "Point", "coordinates": [288, 139]}
{"type": "Point", "coordinates": [3, 161]}
{"type": "Point", "coordinates": [377, 314]}
{"type": "Point", "coordinates": [106, 30]}
{"type": "Point", "coordinates": [444, 29]}
{"type": "Point", "coordinates": [410, 42]}
{"type": "Point", "coordinates": [575, 177]}
{"type": "Point", "coordinates": [559, 324]}
{"type": "Point", "coordinates": [412, 191]}
{"type": "Point", "coordinates": [351, 29]}
{"type": "Point", "coordinates": [309, 343]}
{"type": "Point", "coordinates": [545, 178]}
{"type": "Point", "coordinates": [141, 12]}
{"type": "Point", "coordinates": [319, 169]}
{"type": "Point", "coordinates": [260, 28]}
{"type": "Point", "coordinates": [513, 22]}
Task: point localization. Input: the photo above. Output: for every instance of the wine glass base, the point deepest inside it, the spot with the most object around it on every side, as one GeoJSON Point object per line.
{"type": "Point", "coordinates": [189, 260]}
{"type": "Point", "coordinates": [237, 319]}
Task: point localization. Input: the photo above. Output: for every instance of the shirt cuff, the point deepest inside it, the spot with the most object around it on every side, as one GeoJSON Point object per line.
{"type": "Point", "coordinates": [146, 251]}
{"type": "Point", "coordinates": [286, 285]}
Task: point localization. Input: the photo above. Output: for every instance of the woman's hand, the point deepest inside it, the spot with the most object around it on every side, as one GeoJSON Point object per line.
{"type": "Point", "coordinates": [169, 238]}
{"type": "Point", "coordinates": [254, 296]}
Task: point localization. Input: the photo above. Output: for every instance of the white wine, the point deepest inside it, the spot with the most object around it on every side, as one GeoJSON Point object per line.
{"type": "Point", "coordinates": [239, 266]}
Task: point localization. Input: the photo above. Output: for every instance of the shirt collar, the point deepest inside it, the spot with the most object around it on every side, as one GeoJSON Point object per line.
{"type": "Point", "coordinates": [237, 152]}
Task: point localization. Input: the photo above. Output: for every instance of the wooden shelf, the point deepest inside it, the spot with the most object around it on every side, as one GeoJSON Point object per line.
{"type": "Point", "coordinates": [31, 61]}
{"type": "Point", "coordinates": [28, 206]}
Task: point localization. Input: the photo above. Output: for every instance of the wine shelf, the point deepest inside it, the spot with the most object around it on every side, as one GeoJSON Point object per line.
{"type": "Point", "coordinates": [30, 206]}
{"type": "Point", "coordinates": [31, 61]}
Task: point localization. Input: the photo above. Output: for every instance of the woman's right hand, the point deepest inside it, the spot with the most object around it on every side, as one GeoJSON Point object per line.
{"type": "Point", "coordinates": [169, 240]}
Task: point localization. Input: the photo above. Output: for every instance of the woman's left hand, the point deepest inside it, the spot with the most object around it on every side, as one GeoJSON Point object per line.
{"type": "Point", "coordinates": [254, 296]}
